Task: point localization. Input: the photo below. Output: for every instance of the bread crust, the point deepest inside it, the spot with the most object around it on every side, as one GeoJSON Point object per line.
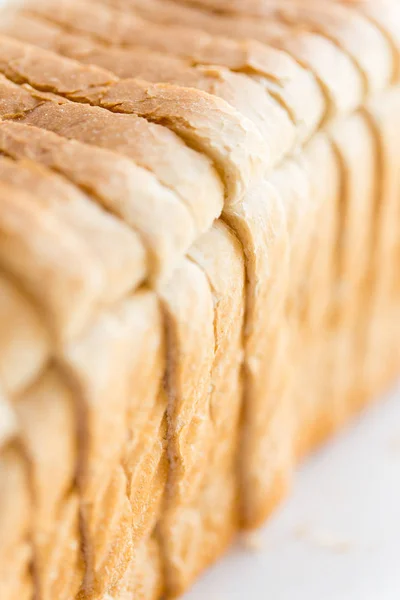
{"type": "Point", "coordinates": [295, 88]}
{"type": "Point", "coordinates": [334, 69]}
{"type": "Point", "coordinates": [151, 146]}
{"type": "Point", "coordinates": [238, 151]}
{"type": "Point", "coordinates": [239, 90]}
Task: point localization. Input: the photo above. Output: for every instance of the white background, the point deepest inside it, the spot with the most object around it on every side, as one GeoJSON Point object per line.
{"type": "Point", "coordinates": [338, 536]}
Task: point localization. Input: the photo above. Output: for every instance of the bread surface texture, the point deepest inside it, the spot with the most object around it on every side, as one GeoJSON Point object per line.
{"type": "Point", "coordinates": [199, 273]}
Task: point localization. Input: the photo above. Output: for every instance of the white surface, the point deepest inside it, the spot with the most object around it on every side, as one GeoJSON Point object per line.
{"type": "Point", "coordinates": [338, 536]}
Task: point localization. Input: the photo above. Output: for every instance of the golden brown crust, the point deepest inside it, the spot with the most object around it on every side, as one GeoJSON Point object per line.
{"type": "Point", "coordinates": [283, 78]}
{"type": "Point", "coordinates": [238, 151]}
{"type": "Point", "coordinates": [243, 19]}
{"type": "Point", "coordinates": [203, 121]}
{"type": "Point", "coordinates": [126, 135]}
{"type": "Point", "coordinates": [341, 23]}
{"type": "Point", "coordinates": [239, 90]}
{"type": "Point", "coordinates": [150, 146]}
{"type": "Point", "coordinates": [334, 69]}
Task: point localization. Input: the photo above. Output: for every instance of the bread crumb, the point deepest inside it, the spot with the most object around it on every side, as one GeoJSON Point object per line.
{"type": "Point", "coordinates": [323, 539]}
{"type": "Point", "coordinates": [252, 542]}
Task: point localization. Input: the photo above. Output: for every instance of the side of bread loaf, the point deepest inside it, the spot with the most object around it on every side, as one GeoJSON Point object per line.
{"type": "Point", "coordinates": [199, 264]}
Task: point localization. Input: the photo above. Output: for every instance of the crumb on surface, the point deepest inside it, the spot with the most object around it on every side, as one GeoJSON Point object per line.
{"type": "Point", "coordinates": [323, 539]}
{"type": "Point", "coordinates": [251, 541]}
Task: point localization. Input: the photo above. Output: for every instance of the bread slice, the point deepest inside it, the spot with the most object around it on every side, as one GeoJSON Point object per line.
{"type": "Point", "coordinates": [244, 154]}
{"type": "Point", "coordinates": [207, 520]}
{"type": "Point", "coordinates": [25, 346]}
{"type": "Point", "coordinates": [102, 363]}
{"type": "Point", "coordinates": [316, 289]}
{"type": "Point", "coordinates": [125, 134]}
{"type": "Point", "coordinates": [117, 248]}
{"type": "Point", "coordinates": [204, 306]}
{"type": "Point", "coordinates": [116, 370]}
{"type": "Point", "coordinates": [368, 48]}
{"type": "Point", "coordinates": [386, 17]}
{"type": "Point", "coordinates": [117, 184]}
{"type": "Point", "coordinates": [355, 144]}
{"type": "Point", "coordinates": [16, 581]}
{"type": "Point", "coordinates": [46, 414]}
{"type": "Point", "coordinates": [41, 482]}
{"type": "Point", "coordinates": [15, 504]}
{"type": "Point", "coordinates": [27, 232]}
{"type": "Point", "coordinates": [382, 321]}
{"type": "Point", "coordinates": [189, 312]}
